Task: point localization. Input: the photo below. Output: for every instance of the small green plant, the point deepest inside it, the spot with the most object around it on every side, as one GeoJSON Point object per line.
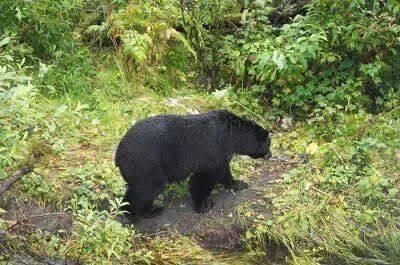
{"type": "Point", "coordinates": [98, 237]}
{"type": "Point", "coordinates": [35, 186]}
{"type": "Point", "coordinates": [95, 183]}
{"type": "Point", "coordinates": [176, 190]}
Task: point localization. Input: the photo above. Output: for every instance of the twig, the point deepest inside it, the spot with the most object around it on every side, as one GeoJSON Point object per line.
{"type": "Point", "coordinates": [87, 9]}
{"type": "Point", "coordinates": [322, 192]}
{"type": "Point", "coordinates": [44, 215]}
{"type": "Point", "coordinates": [376, 261]}
{"type": "Point", "coordinates": [17, 175]}
{"type": "Point", "coordinates": [278, 160]}
{"type": "Point", "coordinates": [384, 115]}
{"type": "Point", "coordinates": [340, 157]}
{"type": "Point", "coordinates": [252, 112]}
{"type": "Point", "coordinates": [159, 233]}
{"type": "Point", "coordinates": [233, 24]}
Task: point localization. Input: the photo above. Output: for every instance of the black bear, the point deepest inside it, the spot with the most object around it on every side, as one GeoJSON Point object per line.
{"type": "Point", "coordinates": [169, 148]}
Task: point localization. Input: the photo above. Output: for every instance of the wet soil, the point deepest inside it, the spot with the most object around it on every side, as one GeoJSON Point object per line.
{"type": "Point", "coordinates": [219, 229]}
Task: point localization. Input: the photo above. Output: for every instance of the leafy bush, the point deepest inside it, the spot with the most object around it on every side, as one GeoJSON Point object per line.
{"type": "Point", "coordinates": [46, 26]}
{"type": "Point", "coordinates": [203, 23]}
{"type": "Point", "coordinates": [342, 206]}
{"type": "Point", "coordinates": [25, 135]}
{"type": "Point", "coordinates": [35, 186]}
{"type": "Point", "coordinates": [98, 238]}
{"type": "Point", "coordinates": [341, 53]}
{"type": "Point", "coordinates": [145, 48]}
{"type": "Point", "coordinates": [17, 118]}
{"type": "Point", "coordinates": [44, 32]}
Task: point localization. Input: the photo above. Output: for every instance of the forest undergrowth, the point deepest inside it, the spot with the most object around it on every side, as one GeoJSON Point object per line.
{"type": "Point", "coordinates": [75, 74]}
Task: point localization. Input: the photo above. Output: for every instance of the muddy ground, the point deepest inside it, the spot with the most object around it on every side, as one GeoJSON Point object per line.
{"type": "Point", "coordinates": [218, 230]}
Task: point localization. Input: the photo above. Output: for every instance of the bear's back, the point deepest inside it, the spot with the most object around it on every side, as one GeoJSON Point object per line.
{"type": "Point", "coordinates": [177, 136]}
{"type": "Point", "coordinates": [140, 138]}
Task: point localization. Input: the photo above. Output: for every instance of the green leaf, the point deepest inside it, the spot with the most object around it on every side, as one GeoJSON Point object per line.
{"type": "Point", "coordinates": [5, 41]}
{"type": "Point", "coordinates": [307, 185]}
{"type": "Point", "coordinates": [279, 60]}
{"type": "Point", "coordinates": [61, 109]}
{"type": "Point", "coordinates": [312, 148]}
{"type": "Point", "coordinates": [220, 93]}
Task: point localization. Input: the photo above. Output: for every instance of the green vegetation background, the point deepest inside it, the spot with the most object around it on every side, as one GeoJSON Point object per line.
{"type": "Point", "coordinates": [75, 74]}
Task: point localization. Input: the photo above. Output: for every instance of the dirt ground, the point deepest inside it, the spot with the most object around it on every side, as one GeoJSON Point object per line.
{"type": "Point", "coordinates": [26, 217]}
{"type": "Point", "coordinates": [217, 230]}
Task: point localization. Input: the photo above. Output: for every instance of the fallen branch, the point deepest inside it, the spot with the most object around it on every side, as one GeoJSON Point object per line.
{"type": "Point", "coordinates": [17, 175]}
{"type": "Point", "coordinates": [28, 218]}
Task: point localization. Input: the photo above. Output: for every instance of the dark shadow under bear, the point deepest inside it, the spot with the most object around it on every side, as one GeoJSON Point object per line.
{"type": "Point", "coordinates": [169, 148]}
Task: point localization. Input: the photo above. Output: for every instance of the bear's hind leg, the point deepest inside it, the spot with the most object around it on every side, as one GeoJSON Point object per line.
{"type": "Point", "coordinates": [140, 202]}
{"type": "Point", "coordinates": [201, 185]}
{"type": "Point", "coordinates": [129, 198]}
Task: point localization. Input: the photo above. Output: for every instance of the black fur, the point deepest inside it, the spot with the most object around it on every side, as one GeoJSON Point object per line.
{"type": "Point", "coordinates": [169, 148]}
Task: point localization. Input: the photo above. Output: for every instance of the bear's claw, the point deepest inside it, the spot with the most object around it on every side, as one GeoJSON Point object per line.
{"type": "Point", "coordinates": [205, 206]}
{"type": "Point", "coordinates": [239, 185]}
{"type": "Point", "coordinates": [153, 212]}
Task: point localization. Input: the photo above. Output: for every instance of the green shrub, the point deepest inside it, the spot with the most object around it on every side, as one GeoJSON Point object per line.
{"type": "Point", "coordinates": [342, 206]}
{"type": "Point", "coordinates": [35, 186]}
{"type": "Point", "coordinates": [341, 53]}
{"type": "Point", "coordinates": [99, 238]}
{"type": "Point", "coordinates": [17, 116]}
{"type": "Point", "coordinates": [46, 26]}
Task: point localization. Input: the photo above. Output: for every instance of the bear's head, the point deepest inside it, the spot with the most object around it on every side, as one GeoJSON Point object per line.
{"type": "Point", "coordinates": [251, 139]}
{"type": "Point", "coordinates": [256, 140]}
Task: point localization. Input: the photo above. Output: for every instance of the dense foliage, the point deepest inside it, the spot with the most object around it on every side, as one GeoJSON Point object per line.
{"type": "Point", "coordinates": [344, 202]}
{"type": "Point", "coordinates": [340, 55]}
{"type": "Point", "coordinates": [75, 74]}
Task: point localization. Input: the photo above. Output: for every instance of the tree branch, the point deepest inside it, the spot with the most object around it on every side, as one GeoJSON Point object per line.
{"type": "Point", "coordinates": [17, 175]}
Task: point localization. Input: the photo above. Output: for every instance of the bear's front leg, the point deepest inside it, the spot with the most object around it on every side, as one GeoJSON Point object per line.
{"type": "Point", "coordinates": [151, 210]}
{"type": "Point", "coordinates": [201, 185]}
{"type": "Point", "coordinates": [229, 183]}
